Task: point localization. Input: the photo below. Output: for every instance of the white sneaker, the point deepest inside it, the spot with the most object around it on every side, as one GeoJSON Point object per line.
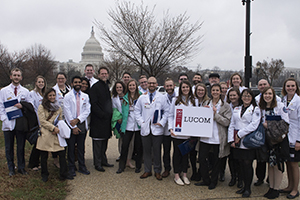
{"type": "Point", "coordinates": [178, 181]}
{"type": "Point", "coordinates": [186, 180]}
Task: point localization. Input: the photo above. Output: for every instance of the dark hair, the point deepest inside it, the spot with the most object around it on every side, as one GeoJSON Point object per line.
{"type": "Point", "coordinates": [136, 92]}
{"type": "Point", "coordinates": [183, 74]}
{"type": "Point", "coordinates": [142, 76]}
{"type": "Point", "coordinates": [114, 89]}
{"type": "Point", "coordinates": [284, 93]}
{"type": "Point", "coordinates": [78, 77]}
{"type": "Point", "coordinates": [197, 74]}
{"type": "Point", "coordinates": [61, 73]}
{"type": "Point", "coordinates": [205, 97]}
{"type": "Point", "coordinates": [263, 104]}
{"type": "Point", "coordinates": [233, 90]}
{"type": "Point", "coordinates": [234, 74]}
{"type": "Point", "coordinates": [16, 70]}
{"type": "Point", "coordinates": [103, 68]}
{"type": "Point", "coordinates": [88, 83]}
{"type": "Point", "coordinates": [253, 102]}
{"type": "Point", "coordinates": [42, 92]}
{"type": "Point", "coordinates": [45, 101]}
{"type": "Point", "coordinates": [219, 86]}
{"type": "Point", "coordinates": [89, 65]}
{"type": "Point", "coordinates": [126, 73]}
{"type": "Point", "coordinates": [190, 95]}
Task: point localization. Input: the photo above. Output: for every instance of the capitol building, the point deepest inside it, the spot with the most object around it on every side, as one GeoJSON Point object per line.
{"type": "Point", "coordinates": [91, 54]}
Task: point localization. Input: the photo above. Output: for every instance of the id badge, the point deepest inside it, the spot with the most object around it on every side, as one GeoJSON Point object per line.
{"type": "Point", "coordinates": [147, 105]}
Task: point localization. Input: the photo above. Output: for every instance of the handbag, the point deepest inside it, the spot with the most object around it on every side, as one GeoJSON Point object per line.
{"type": "Point", "coordinates": [188, 145]}
{"type": "Point", "coordinates": [33, 135]}
{"type": "Point", "coordinates": [255, 139]}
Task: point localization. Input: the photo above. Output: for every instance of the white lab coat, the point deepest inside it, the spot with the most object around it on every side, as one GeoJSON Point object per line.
{"type": "Point", "coordinates": [171, 118]}
{"type": "Point", "coordinates": [144, 113]}
{"type": "Point", "coordinates": [166, 128]}
{"type": "Point", "coordinates": [6, 94]}
{"type": "Point", "coordinates": [293, 110]}
{"type": "Point", "coordinates": [35, 99]}
{"type": "Point", "coordinates": [116, 103]}
{"type": "Point", "coordinates": [70, 108]}
{"type": "Point", "coordinates": [245, 124]}
{"type": "Point", "coordinates": [278, 110]}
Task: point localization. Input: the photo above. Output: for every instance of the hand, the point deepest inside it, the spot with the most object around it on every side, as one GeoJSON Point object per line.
{"type": "Point", "coordinates": [158, 124]}
{"type": "Point", "coordinates": [232, 145]}
{"type": "Point", "coordinates": [207, 106]}
{"type": "Point", "coordinates": [214, 109]}
{"type": "Point", "coordinates": [172, 132]}
{"type": "Point", "coordinates": [73, 122]}
{"type": "Point", "coordinates": [120, 121]}
{"type": "Point", "coordinates": [297, 146]}
{"type": "Point", "coordinates": [55, 131]}
{"type": "Point", "coordinates": [265, 124]}
{"type": "Point", "coordinates": [76, 131]}
{"type": "Point", "coordinates": [18, 105]}
{"type": "Point", "coordinates": [237, 139]}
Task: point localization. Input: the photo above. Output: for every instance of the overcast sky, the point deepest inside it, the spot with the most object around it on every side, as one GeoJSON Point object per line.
{"type": "Point", "coordinates": [63, 26]}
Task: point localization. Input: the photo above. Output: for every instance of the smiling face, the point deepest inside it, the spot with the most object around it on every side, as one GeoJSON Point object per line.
{"type": "Point", "coordinates": [61, 80]}
{"type": "Point", "coordinates": [51, 96]}
{"type": "Point", "coordinates": [182, 78]}
{"type": "Point", "coordinates": [290, 88]}
{"type": "Point", "coordinates": [262, 84]}
{"type": "Point", "coordinates": [215, 92]}
{"type": "Point", "coordinates": [143, 83]}
{"type": "Point", "coordinates": [185, 88]}
{"type": "Point", "coordinates": [126, 78]}
{"type": "Point", "coordinates": [236, 81]}
{"type": "Point", "coordinates": [224, 89]}
{"type": "Point", "coordinates": [40, 83]}
{"type": "Point", "coordinates": [233, 97]}
{"type": "Point", "coordinates": [16, 77]}
{"type": "Point", "coordinates": [132, 87]}
{"type": "Point", "coordinates": [197, 79]}
{"type": "Point", "coordinates": [84, 85]}
{"type": "Point", "coordinates": [119, 89]}
{"type": "Point", "coordinates": [200, 91]}
{"type": "Point", "coordinates": [89, 71]}
{"type": "Point", "coordinates": [247, 99]}
{"type": "Point", "coordinates": [268, 96]}
{"type": "Point", "coordinates": [152, 84]}
{"type": "Point", "coordinates": [103, 75]}
{"type": "Point", "coordinates": [169, 86]}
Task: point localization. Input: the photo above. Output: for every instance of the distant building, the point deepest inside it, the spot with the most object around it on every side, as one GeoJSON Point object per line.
{"type": "Point", "coordinates": [91, 54]}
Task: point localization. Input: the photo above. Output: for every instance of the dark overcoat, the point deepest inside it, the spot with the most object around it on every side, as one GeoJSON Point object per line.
{"type": "Point", "coordinates": [101, 110]}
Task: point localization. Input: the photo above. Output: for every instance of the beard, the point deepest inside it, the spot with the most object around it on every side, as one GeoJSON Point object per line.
{"type": "Point", "coordinates": [77, 87]}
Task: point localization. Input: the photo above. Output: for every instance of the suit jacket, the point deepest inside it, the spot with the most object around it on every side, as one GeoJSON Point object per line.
{"type": "Point", "coordinates": [101, 111]}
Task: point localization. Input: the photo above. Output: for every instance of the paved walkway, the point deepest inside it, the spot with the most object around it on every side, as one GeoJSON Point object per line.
{"type": "Point", "coordinates": [128, 185]}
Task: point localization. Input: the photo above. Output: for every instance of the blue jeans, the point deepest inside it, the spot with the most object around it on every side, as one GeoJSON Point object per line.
{"type": "Point", "coordinates": [9, 137]}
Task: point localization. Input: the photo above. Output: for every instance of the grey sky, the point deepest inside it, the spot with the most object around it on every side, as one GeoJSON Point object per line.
{"type": "Point", "coordinates": [64, 26]}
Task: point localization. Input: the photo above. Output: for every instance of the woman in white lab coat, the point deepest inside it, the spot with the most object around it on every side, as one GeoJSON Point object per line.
{"type": "Point", "coordinates": [291, 101]}
{"type": "Point", "coordinates": [180, 162]}
{"type": "Point", "coordinates": [245, 119]}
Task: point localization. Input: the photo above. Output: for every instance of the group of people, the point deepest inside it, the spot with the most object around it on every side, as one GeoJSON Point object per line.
{"type": "Point", "coordinates": [143, 121]}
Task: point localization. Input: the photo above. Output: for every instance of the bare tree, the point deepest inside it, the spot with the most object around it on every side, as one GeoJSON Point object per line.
{"type": "Point", "coordinates": [5, 63]}
{"type": "Point", "coordinates": [151, 46]}
{"type": "Point", "coordinates": [272, 70]}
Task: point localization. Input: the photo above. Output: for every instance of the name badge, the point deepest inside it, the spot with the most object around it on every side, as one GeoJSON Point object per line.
{"type": "Point", "coordinates": [147, 105]}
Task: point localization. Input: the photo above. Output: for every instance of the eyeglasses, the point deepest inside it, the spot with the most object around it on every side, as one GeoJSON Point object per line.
{"type": "Point", "coordinates": [183, 79]}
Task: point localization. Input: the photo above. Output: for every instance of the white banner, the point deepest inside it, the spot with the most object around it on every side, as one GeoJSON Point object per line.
{"type": "Point", "coordinates": [193, 121]}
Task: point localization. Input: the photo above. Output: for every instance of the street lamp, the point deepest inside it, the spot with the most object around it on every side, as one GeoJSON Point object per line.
{"type": "Point", "coordinates": [248, 58]}
{"type": "Point", "coordinates": [257, 72]}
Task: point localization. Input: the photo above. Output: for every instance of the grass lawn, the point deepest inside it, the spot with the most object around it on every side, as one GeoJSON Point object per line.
{"type": "Point", "coordinates": [29, 186]}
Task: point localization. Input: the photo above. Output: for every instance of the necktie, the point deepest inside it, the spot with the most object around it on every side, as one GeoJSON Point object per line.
{"type": "Point", "coordinates": [77, 104]}
{"type": "Point", "coordinates": [16, 91]}
{"type": "Point", "coordinates": [151, 97]}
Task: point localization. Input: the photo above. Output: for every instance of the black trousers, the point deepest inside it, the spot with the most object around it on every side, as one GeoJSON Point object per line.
{"type": "Point", "coordinates": [180, 162]}
{"type": "Point", "coordinates": [247, 173]}
{"type": "Point", "coordinates": [80, 141]}
{"type": "Point", "coordinates": [34, 159]}
{"type": "Point", "coordinates": [204, 154]}
{"type": "Point", "coordinates": [63, 171]}
{"type": "Point", "coordinates": [167, 150]}
{"type": "Point", "coordinates": [260, 170]}
{"type": "Point", "coordinates": [99, 152]}
{"type": "Point", "coordinates": [138, 148]}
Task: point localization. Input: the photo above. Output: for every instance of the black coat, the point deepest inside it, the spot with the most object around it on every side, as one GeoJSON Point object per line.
{"type": "Point", "coordinates": [101, 111]}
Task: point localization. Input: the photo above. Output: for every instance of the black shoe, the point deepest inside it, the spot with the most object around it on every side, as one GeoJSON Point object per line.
{"type": "Point", "coordinates": [118, 159]}
{"type": "Point", "coordinates": [269, 192]}
{"type": "Point", "coordinates": [211, 186]}
{"type": "Point", "coordinates": [11, 172]}
{"type": "Point", "coordinates": [202, 184]}
{"type": "Point", "coordinates": [273, 195]}
{"type": "Point", "coordinates": [99, 168]}
{"type": "Point", "coordinates": [72, 172]}
{"type": "Point", "coordinates": [258, 182]}
{"type": "Point", "coordinates": [241, 191]}
{"type": "Point", "coordinates": [22, 171]}
{"type": "Point", "coordinates": [45, 179]}
{"type": "Point", "coordinates": [198, 177]}
{"type": "Point", "coordinates": [63, 178]}
{"type": "Point", "coordinates": [232, 182]}
{"type": "Point", "coordinates": [289, 196]}
{"type": "Point", "coordinates": [84, 171]}
{"type": "Point", "coordinates": [246, 194]}
{"type": "Point", "coordinates": [107, 165]}
{"type": "Point", "coordinates": [119, 171]}
{"type": "Point", "coordinates": [240, 184]}
{"type": "Point", "coordinates": [222, 177]}
{"type": "Point", "coordinates": [284, 191]}
{"type": "Point", "coordinates": [137, 170]}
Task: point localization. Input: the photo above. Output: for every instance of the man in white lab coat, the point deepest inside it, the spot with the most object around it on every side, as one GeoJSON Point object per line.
{"type": "Point", "coordinates": [10, 127]}
{"type": "Point", "coordinates": [77, 109]}
{"type": "Point", "coordinates": [151, 113]}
